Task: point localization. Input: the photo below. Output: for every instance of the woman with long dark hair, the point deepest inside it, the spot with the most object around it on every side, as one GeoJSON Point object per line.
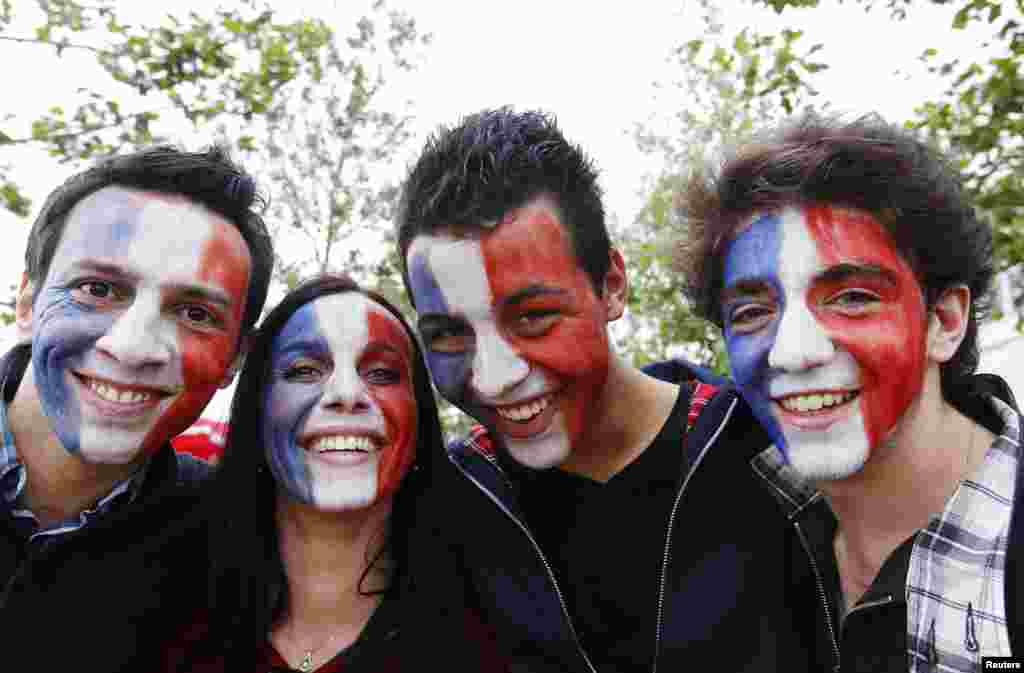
{"type": "Point", "coordinates": [323, 540]}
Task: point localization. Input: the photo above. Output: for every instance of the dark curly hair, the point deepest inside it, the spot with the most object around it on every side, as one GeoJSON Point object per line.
{"type": "Point", "coordinates": [496, 161]}
{"type": "Point", "coordinates": [867, 164]}
{"type": "Point", "coordinates": [209, 178]}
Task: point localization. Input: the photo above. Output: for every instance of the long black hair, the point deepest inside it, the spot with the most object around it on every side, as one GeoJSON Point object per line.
{"type": "Point", "coordinates": [248, 590]}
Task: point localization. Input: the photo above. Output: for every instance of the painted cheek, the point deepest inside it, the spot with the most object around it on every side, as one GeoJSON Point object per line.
{"type": "Point", "coordinates": [64, 332]}
{"type": "Point", "coordinates": [285, 411]}
{"type": "Point", "coordinates": [398, 405]}
{"type": "Point", "coordinates": [204, 362]}
{"type": "Point", "coordinates": [450, 371]}
{"type": "Point", "coordinates": [286, 407]}
{"type": "Point", "coordinates": [205, 358]}
{"type": "Point", "coordinates": [755, 254]}
{"type": "Point", "coordinates": [889, 346]}
{"type": "Point", "coordinates": [533, 248]}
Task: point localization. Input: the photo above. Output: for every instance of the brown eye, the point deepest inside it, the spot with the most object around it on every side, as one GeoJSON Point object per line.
{"type": "Point", "coordinates": [750, 318]}
{"type": "Point", "coordinates": [854, 301]}
{"type": "Point", "coordinates": [451, 339]}
{"type": "Point", "coordinates": [199, 315]}
{"type": "Point", "coordinates": [535, 323]}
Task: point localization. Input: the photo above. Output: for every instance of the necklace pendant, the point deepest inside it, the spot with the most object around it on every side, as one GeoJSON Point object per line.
{"type": "Point", "coordinates": [307, 663]}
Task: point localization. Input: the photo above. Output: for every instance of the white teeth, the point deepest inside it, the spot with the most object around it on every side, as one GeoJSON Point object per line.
{"type": "Point", "coordinates": [816, 402]}
{"type": "Point", "coordinates": [359, 443]}
{"type": "Point", "coordinates": [525, 411]}
{"type": "Point", "coordinates": [112, 394]}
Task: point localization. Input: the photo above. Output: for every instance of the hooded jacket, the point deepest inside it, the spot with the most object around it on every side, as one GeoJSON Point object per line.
{"type": "Point", "coordinates": [721, 601]}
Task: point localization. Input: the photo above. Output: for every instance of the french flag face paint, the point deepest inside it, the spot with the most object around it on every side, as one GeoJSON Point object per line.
{"type": "Point", "coordinates": [514, 333]}
{"type": "Point", "coordinates": [339, 417]}
{"type": "Point", "coordinates": [137, 322]}
{"type": "Point", "coordinates": [825, 326]}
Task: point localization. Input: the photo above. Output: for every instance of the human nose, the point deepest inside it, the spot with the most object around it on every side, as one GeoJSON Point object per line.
{"type": "Point", "coordinates": [800, 341]}
{"type": "Point", "coordinates": [344, 391]}
{"type": "Point", "coordinates": [137, 338]}
{"type": "Point", "coordinates": [497, 368]}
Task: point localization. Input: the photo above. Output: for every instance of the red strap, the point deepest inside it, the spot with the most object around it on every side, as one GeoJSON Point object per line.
{"type": "Point", "coordinates": [702, 394]}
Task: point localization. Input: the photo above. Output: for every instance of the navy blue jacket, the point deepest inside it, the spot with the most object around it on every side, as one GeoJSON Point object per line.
{"type": "Point", "coordinates": [721, 601]}
{"type": "Point", "coordinates": [101, 598]}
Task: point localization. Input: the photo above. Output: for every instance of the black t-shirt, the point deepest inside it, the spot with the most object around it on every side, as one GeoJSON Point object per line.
{"type": "Point", "coordinates": [605, 543]}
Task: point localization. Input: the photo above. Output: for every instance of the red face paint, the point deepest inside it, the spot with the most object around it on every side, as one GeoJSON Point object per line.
{"type": "Point", "coordinates": [207, 356]}
{"type": "Point", "coordinates": [887, 342]}
{"type": "Point", "coordinates": [396, 402]}
{"type": "Point", "coordinates": [560, 328]}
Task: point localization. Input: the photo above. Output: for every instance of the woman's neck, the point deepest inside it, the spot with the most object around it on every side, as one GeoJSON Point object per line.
{"type": "Point", "coordinates": [325, 555]}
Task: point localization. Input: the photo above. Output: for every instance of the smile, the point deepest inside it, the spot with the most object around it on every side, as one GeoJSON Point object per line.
{"type": "Point", "coordinates": [342, 443]}
{"type": "Point", "coordinates": [524, 413]}
{"type": "Point", "coordinates": [816, 401]}
{"type": "Point", "coordinates": [109, 391]}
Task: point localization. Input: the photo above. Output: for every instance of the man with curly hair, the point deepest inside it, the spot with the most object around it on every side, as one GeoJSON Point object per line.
{"type": "Point", "coordinates": [848, 272]}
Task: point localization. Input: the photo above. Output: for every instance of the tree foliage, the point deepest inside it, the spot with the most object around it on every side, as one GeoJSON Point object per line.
{"type": "Point", "coordinates": [231, 62]}
{"type": "Point", "coordinates": [729, 86]}
{"type": "Point", "coordinates": [979, 116]}
{"type": "Point", "coordinates": [323, 149]}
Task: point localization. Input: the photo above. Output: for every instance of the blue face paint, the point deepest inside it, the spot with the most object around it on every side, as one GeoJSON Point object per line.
{"type": "Point", "coordinates": [754, 255]}
{"type": "Point", "coordinates": [287, 405]}
{"type": "Point", "coordinates": [450, 371]}
{"type": "Point", "coordinates": [63, 329]}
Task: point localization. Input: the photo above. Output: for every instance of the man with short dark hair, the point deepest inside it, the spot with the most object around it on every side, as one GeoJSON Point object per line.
{"type": "Point", "coordinates": [142, 277]}
{"type": "Point", "coordinates": [848, 272]}
{"type": "Point", "coordinates": [597, 526]}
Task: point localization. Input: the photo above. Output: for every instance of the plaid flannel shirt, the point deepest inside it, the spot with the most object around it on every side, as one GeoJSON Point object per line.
{"type": "Point", "coordinates": [13, 476]}
{"type": "Point", "coordinates": [955, 588]}
{"type": "Point", "coordinates": [955, 583]}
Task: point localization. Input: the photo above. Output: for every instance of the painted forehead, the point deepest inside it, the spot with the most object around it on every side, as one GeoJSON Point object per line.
{"type": "Point", "coordinates": [802, 239]}
{"type": "Point", "coordinates": [451, 274]}
{"type": "Point", "coordinates": [348, 322]}
{"type": "Point", "coordinates": [119, 222]}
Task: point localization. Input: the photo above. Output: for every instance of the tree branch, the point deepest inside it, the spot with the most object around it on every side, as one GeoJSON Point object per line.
{"type": "Point", "coordinates": [60, 46]}
{"type": "Point", "coordinates": [76, 134]}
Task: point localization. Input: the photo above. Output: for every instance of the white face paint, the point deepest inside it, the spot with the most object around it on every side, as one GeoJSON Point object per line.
{"type": "Point", "coordinates": [135, 325]}
{"type": "Point", "coordinates": [340, 413]}
{"type": "Point", "coordinates": [484, 374]}
{"type": "Point", "coordinates": [824, 326]}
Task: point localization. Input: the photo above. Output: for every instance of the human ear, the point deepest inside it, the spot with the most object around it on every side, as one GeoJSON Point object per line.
{"type": "Point", "coordinates": [23, 308]}
{"type": "Point", "coordinates": [947, 322]}
{"type": "Point", "coordinates": [616, 286]}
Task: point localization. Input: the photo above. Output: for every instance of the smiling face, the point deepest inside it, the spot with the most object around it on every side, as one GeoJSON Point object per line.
{"type": "Point", "coordinates": [137, 321]}
{"type": "Point", "coordinates": [825, 326]}
{"type": "Point", "coordinates": [339, 418]}
{"type": "Point", "coordinates": [515, 334]}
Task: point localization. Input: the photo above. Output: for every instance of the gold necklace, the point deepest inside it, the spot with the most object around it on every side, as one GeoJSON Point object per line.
{"type": "Point", "coordinates": [306, 665]}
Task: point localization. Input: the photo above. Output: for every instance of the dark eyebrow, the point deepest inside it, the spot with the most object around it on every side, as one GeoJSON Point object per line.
{"type": "Point", "coordinates": [430, 319]}
{"type": "Point", "coordinates": [531, 291]}
{"type": "Point", "coordinates": [303, 344]}
{"type": "Point", "coordinates": [842, 272]}
{"type": "Point", "coordinates": [106, 268]}
{"type": "Point", "coordinates": [747, 286]}
{"type": "Point", "coordinates": [382, 346]}
{"type": "Point", "coordinates": [200, 293]}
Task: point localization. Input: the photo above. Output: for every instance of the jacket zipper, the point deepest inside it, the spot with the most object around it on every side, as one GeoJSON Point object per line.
{"type": "Point", "coordinates": [536, 547]}
{"type": "Point", "coordinates": [668, 534]}
{"type": "Point", "coordinates": [821, 594]}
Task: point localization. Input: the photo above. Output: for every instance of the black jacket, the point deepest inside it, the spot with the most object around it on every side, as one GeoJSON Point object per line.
{"type": "Point", "coordinates": [722, 604]}
{"type": "Point", "coordinates": [101, 597]}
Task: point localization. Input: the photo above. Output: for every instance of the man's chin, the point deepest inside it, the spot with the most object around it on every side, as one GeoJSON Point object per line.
{"type": "Point", "coordinates": [547, 450]}
{"type": "Point", "coordinates": [828, 461]}
{"type": "Point", "coordinates": [114, 447]}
